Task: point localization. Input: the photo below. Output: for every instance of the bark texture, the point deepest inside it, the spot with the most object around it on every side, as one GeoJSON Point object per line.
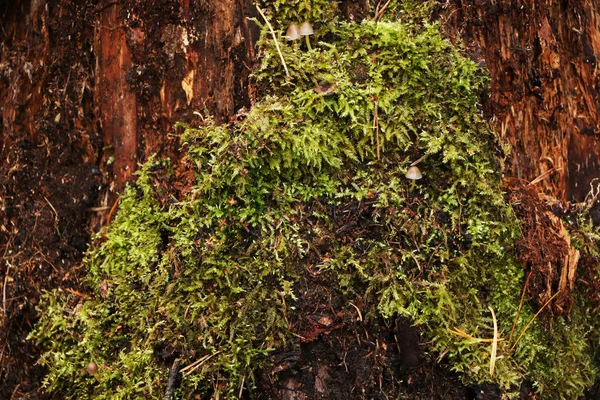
{"type": "Point", "coordinates": [87, 90]}
{"type": "Point", "coordinates": [544, 94]}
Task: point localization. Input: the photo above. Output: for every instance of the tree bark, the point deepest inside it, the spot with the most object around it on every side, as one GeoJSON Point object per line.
{"type": "Point", "coordinates": [88, 89]}
{"type": "Point", "coordinates": [544, 95]}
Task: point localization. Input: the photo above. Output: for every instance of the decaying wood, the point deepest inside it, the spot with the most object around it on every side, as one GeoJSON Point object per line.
{"type": "Point", "coordinates": [544, 94]}
{"type": "Point", "coordinates": [171, 383]}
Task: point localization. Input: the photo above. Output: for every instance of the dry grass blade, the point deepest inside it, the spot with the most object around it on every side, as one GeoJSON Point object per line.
{"type": "Point", "coordinates": [531, 321]}
{"type": "Point", "coordinates": [458, 332]}
{"type": "Point", "coordinates": [198, 363]}
{"type": "Point", "coordinates": [274, 39]}
{"type": "Point", "coordinates": [494, 342]}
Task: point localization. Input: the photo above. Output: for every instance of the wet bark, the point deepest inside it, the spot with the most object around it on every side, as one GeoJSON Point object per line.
{"type": "Point", "coordinates": [88, 89]}
{"type": "Point", "coordinates": [544, 94]}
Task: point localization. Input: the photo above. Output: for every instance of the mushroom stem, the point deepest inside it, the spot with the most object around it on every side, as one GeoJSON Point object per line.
{"type": "Point", "coordinates": [413, 185]}
{"type": "Point", "coordinates": [308, 43]}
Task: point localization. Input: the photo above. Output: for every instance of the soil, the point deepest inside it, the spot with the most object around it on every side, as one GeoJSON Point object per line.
{"type": "Point", "coordinates": [344, 352]}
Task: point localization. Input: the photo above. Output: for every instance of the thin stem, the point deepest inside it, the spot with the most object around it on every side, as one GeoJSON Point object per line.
{"type": "Point", "coordinates": [520, 305]}
{"type": "Point", "coordinates": [531, 321]}
{"type": "Point", "coordinates": [274, 39]}
{"type": "Point", "coordinates": [308, 43]}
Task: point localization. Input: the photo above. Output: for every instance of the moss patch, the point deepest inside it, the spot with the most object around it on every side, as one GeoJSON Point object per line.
{"type": "Point", "coordinates": [313, 176]}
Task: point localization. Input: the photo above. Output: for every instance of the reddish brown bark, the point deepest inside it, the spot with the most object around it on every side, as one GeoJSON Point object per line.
{"type": "Point", "coordinates": [544, 94]}
{"type": "Point", "coordinates": [117, 103]}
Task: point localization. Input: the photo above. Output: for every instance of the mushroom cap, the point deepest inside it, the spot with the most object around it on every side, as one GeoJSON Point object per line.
{"type": "Point", "coordinates": [306, 29]}
{"type": "Point", "coordinates": [92, 368]}
{"type": "Point", "coordinates": [293, 32]}
{"type": "Point", "coordinates": [414, 173]}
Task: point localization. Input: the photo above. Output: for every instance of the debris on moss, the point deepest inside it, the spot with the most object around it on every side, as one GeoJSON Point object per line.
{"type": "Point", "coordinates": [314, 175]}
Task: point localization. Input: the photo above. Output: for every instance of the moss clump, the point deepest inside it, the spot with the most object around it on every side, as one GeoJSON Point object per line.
{"type": "Point", "coordinates": [314, 175]}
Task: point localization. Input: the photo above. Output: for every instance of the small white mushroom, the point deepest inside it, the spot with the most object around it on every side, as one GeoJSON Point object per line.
{"type": "Point", "coordinates": [306, 29]}
{"type": "Point", "coordinates": [92, 368]}
{"type": "Point", "coordinates": [293, 32]}
{"type": "Point", "coordinates": [414, 173]}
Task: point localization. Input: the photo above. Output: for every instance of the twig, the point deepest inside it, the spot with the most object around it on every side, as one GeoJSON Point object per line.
{"type": "Point", "coordinates": [55, 214]}
{"type": "Point", "coordinates": [418, 161]}
{"type": "Point", "coordinates": [519, 309]}
{"type": "Point", "coordinates": [357, 310]}
{"type": "Point", "coordinates": [76, 293]}
{"type": "Point", "coordinates": [98, 209]}
{"type": "Point", "coordinates": [376, 10]}
{"type": "Point", "coordinates": [4, 288]}
{"type": "Point", "coordinates": [414, 258]}
{"type": "Point", "coordinates": [494, 343]}
{"type": "Point", "coordinates": [376, 126]}
{"type": "Point", "coordinates": [112, 210]}
{"type": "Point", "coordinates": [380, 13]}
{"type": "Point", "coordinates": [196, 364]}
{"type": "Point", "coordinates": [172, 379]}
{"type": "Point", "coordinates": [544, 176]}
{"type": "Point", "coordinates": [274, 39]}
{"type": "Point", "coordinates": [531, 321]}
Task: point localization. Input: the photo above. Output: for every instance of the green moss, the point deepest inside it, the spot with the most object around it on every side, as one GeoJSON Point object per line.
{"type": "Point", "coordinates": [210, 275]}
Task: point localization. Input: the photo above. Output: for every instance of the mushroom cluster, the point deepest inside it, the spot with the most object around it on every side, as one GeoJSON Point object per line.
{"type": "Point", "coordinates": [294, 32]}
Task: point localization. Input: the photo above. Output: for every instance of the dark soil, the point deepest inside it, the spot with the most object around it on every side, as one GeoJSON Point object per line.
{"type": "Point", "coordinates": [343, 352]}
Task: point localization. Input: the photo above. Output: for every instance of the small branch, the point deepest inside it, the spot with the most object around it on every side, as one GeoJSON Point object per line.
{"type": "Point", "coordinates": [112, 210]}
{"type": "Point", "coordinates": [376, 126]}
{"type": "Point", "coordinates": [357, 310]}
{"type": "Point", "coordinates": [76, 293]}
{"type": "Point", "coordinates": [274, 39]}
{"type": "Point", "coordinates": [379, 14]}
{"type": "Point", "coordinates": [172, 379]}
{"type": "Point", "coordinates": [98, 209]}
{"type": "Point", "coordinates": [544, 176]}
{"type": "Point", "coordinates": [196, 364]}
{"type": "Point", "coordinates": [376, 10]}
{"type": "Point", "coordinates": [55, 214]}
{"type": "Point", "coordinates": [418, 161]}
